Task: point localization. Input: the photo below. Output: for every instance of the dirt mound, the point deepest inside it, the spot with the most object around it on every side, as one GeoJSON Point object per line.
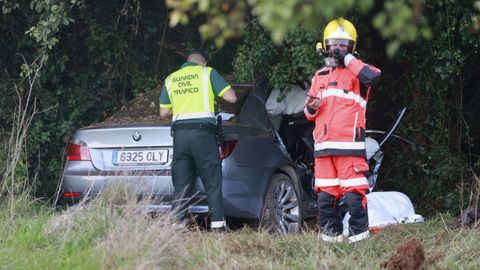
{"type": "Point", "coordinates": [144, 109]}
{"type": "Point", "coordinates": [410, 256]}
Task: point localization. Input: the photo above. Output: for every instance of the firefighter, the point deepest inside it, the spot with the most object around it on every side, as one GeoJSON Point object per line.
{"type": "Point", "coordinates": [189, 92]}
{"type": "Point", "coordinates": [337, 103]}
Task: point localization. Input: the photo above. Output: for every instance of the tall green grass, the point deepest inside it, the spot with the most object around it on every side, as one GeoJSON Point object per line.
{"type": "Point", "coordinates": [103, 235]}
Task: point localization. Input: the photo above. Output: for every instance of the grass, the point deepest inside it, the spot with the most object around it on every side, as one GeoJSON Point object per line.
{"type": "Point", "coordinates": [100, 235]}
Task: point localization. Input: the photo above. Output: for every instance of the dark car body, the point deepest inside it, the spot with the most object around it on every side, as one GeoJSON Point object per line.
{"type": "Point", "coordinates": [261, 180]}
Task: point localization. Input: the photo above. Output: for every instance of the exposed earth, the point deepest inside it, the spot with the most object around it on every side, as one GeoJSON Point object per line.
{"type": "Point", "coordinates": [143, 109]}
{"type": "Point", "coordinates": [409, 256]}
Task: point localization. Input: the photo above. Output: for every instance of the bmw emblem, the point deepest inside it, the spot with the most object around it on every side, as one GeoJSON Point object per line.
{"type": "Point", "coordinates": [137, 136]}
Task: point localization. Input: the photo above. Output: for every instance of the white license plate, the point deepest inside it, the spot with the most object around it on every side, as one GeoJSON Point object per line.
{"type": "Point", "coordinates": [140, 157]}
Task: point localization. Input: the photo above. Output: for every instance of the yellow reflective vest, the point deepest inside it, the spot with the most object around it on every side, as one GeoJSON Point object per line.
{"type": "Point", "coordinates": [191, 93]}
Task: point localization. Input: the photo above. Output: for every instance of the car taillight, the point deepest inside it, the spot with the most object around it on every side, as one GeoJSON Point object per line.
{"type": "Point", "coordinates": [226, 148]}
{"type": "Point", "coordinates": [72, 194]}
{"type": "Point", "coordinates": [78, 150]}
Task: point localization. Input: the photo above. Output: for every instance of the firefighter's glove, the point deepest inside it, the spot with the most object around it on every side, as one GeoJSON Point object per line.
{"type": "Point", "coordinates": [340, 55]}
{"type": "Point", "coordinates": [313, 104]}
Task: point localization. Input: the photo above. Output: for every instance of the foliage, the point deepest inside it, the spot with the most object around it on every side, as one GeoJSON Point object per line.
{"type": "Point", "coordinates": [52, 16]}
{"type": "Point", "coordinates": [476, 17]}
{"type": "Point", "coordinates": [225, 19]}
{"type": "Point", "coordinates": [434, 79]}
{"type": "Point", "coordinates": [403, 21]}
{"type": "Point", "coordinates": [293, 61]}
{"type": "Point", "coordinates": [100, 55]}
{"type": "Point", "coordinates": [255, 56]}
{"type": "Point", "coordinates": [15, 176]}
{"type": "Point", "coordinates": [400, 20]}
{"type": "Point", "coordinates": [20, 88]}
{"type": "Point", "coordinates": [436, 83]}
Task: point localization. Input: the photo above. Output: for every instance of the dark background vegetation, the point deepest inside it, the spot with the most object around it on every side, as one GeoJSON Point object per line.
{"type": "Point", "coordinates": [101, 54]}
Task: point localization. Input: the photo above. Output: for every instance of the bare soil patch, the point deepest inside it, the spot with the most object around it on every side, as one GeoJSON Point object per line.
{"type": "Point", "coordinates": [144, 109]}
{"type": "Point", "coordinates": [409, 256]}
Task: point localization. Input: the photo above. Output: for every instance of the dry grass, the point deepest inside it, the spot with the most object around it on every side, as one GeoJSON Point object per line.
{"type": "Point", "coordinates": [103, 235]}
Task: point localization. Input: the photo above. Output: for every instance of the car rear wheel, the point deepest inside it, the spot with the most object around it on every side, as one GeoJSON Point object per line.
{"type": "Point", "coordinates": [281, 212]}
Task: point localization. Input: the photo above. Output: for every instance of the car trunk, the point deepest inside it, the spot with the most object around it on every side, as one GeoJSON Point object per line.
{"type": "Point", "coordinates": [106, 146]}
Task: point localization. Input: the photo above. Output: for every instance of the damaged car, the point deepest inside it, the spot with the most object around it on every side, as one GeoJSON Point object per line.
{"type": "Point", "coordinates": [264, 181]}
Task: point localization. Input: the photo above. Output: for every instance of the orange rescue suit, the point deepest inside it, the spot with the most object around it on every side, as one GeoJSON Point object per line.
{"type": "Point", "coordinates": [340, 125]}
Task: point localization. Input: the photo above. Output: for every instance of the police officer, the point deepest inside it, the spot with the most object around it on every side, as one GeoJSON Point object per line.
{"type": "Point", "coordinates": [337, 103]}
{"type": "Point", "coordinates": [189, 92]}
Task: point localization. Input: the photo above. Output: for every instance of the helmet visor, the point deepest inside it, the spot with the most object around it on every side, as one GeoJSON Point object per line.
{"type": "Point", "coordinates": [337, 41]}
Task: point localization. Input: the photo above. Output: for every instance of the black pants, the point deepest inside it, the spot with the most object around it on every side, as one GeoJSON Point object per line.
{"type": "Point", "coordinates": [332, 211]}
{"type": "Point", "coordinates": [195, 152]}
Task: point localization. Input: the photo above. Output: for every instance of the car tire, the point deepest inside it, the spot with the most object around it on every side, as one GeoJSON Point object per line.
{"type": "Point", "coordinates": [281, 211]}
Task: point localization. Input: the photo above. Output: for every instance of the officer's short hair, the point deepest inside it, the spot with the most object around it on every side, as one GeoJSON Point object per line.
{"type": "Point", "coordinates": [200, 52]}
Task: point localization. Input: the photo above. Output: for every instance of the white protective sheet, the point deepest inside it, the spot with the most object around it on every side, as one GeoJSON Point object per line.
{"type": "Point", "coordinates": [387, 208]}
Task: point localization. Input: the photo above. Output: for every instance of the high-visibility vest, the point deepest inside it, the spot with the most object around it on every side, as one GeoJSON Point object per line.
{"type": "Point", "coordinates": [191, 93]}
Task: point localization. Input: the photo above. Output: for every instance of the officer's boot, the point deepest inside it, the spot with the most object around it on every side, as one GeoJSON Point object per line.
{"type": "Point", "coordinates": [358, 222]}
{"type": "Point", "coordinates": [330, 219]}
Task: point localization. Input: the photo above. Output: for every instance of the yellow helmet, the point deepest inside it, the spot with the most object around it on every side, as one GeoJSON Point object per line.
{"type": "Point", "coordinates": [340, 31]}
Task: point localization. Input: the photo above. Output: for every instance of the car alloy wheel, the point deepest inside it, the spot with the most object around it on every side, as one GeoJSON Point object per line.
{"type": "Point", "coordinates": [282, 211]}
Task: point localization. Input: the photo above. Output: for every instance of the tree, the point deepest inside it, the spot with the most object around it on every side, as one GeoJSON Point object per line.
{"type": "Point", "coordinates": [433, 78]}
{"type": "Point", "coordinates": [400, 20]}
{"type": "Point", "coordinates": [100, 55]}
{"type": "Point", "coordinates": [97, 57]}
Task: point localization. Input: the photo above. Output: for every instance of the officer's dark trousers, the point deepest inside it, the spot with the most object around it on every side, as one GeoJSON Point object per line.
{"type": "Point", "coordinates": [195, 152]}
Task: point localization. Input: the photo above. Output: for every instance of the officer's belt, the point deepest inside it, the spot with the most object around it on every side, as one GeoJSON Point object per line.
{"type": "Point", "coordinates": [206, 126]}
